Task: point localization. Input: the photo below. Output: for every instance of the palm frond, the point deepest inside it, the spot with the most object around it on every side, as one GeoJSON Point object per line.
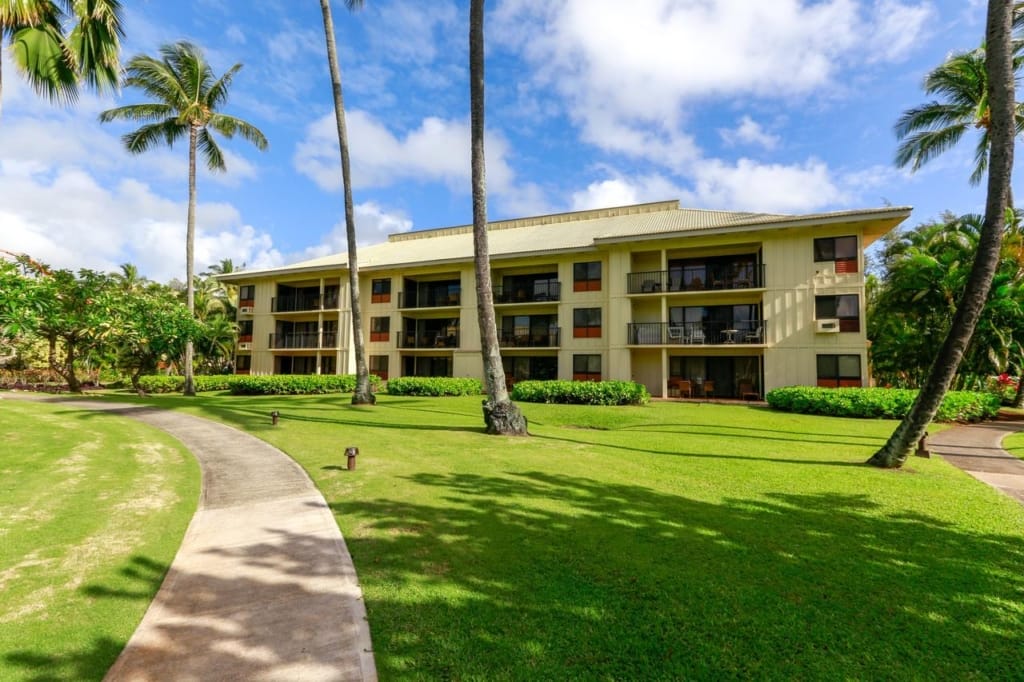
{"type": "Point", "coordinates": [95, 43]}
{"type": "Point", "coordinates": [218, 92]}
{"type": "Point", "coordinates": [145, 138]}
{"type": "Point", "coordinates": [920, 148]}
{"type": "Point", "coordinates": [932, 116]}
{"type": "Point", "coordinates": [211, 151]}
{"type": "Point", "coordinates": [228, 126]}
{"type": "Point", "coordinates": [151, 111]}
{"type": "Point", "coordinates": [40, 54]}
{"type": "Point", "coordinates": [980, 158]}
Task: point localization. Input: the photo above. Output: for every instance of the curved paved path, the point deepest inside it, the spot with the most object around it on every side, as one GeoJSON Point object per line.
{"type": "Point", "coordinates": [977, 449]}
{"type": "Point", "coordinates": [262, 587]}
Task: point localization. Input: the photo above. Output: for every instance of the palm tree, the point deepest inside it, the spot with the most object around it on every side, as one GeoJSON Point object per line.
{"type": "Point", "coordinates": [187, 97]}
{"type": "Point", "coordinates": [500, 414]}
{"type": "Point", "coordinates": [1001, 133]}
{"type": "Point", "coordinates": [56, 62]}
{"type": "Point", "coordinates": [362, 395]}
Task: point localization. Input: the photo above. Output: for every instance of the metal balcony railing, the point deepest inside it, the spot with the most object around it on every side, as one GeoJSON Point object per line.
{"type": "Point", "coordinates": [746, 332]}
{"type": "Point", "coordinates": [304, 340]}
{"type": "Point", "coordinates": [413, 300]}
{"type": "Point", "coordinates": [549, 339]}
{"type": "Point", "coordinates": [426, 339]}
{"type": "Point", "coordinates": [659, 281]}
{"type": "Point", "coordinates": [540, 291]}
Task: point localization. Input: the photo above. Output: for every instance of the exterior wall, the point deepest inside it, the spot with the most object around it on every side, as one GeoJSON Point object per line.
{"type": "Point", "coordinates": [786, 356]}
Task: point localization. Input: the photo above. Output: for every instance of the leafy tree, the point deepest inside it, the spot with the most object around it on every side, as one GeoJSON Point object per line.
{"type": "Point", "coordinates": [1002, 131]}
{"type": "Point", "coordinates": [362, 394]}
{"type": "Point", "coordinates": [58, 45]}
{"type": "Point", "coordinates": [501, 415]}
{"type": "Point", "coordinates": [187, 98]}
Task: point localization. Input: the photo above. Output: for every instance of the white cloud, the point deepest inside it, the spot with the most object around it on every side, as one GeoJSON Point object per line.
{"type": "Point", "coordinates": [414, 31]}
{"type": "Point", "coordinates": [436, 151]}
{"type": "Point", "coordinates": [373, 225]}
{"type": "Point", "coordinates": [621, 191]}
{"type": "Point", "coordinates": [235, 35]}
{"type": "Point", "coordinates": [775, 188]}
{"type": "Point", "coordinates": [749, 131]}
{"type": "Point", "coordinates": [625, 68]}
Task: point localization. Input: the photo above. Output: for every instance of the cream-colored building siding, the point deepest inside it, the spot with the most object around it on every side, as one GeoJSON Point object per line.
{"type": "Point", "coordinates": [646, 238]}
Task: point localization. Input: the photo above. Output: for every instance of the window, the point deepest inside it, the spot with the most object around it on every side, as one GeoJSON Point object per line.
{"type": "Point", "coordinates": [245, 331]}
{"type": "Point", "coordinates": [586, 276]}
{"type": "Point", "coordinates": [586, 368]}
{"type": "Point", "coordinates": [246, 294]}
{"type": "Point", "coordinates": [842, 250]}
{"type": "Point", "coordinates": [379, 366]}
{"type": "Point", "coordinates": [845, 307]}
{"type": "Point", "coordinates": [380, 328]}
{"type": "Point", "coordinates": [836, 371]}
{"type": "Point", "coordinates": [327, 365]}
{"type": "Point", "coordinates": [381, 291]}
{"type": "Point", "coordinates": [586, 323]}
{"type": "Point", "coordinates": [243, 363]}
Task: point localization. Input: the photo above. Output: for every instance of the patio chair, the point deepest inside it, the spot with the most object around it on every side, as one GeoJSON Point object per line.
{"type": "Point", "coordinates": [675, 334]}
{"type": "Point", "coordinates": [747, 391]}
{"type": "Point", "coordinates": [709, 388]}
{"type": "Point", "coordinates": [680, 388]}
{"type": "Point", "coordinates": [756, 336]}
{"type": "Point", "coordinates": [697, 335]}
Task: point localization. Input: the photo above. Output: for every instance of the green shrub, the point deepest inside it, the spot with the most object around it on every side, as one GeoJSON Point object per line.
{"type": "Point", "coordinates": [581, 392]}
{"type": "Point", "coordinates": [434, 386]}
{"type": "Point", "coordinates": [879, 403]}
{"type": "Point", "coordinates": [297, 384]}
{"type": "Point", "coordinates": [242, 384]}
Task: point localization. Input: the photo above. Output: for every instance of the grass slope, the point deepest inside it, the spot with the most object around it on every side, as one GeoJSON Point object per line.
{"type": "Point", "coordinates": [661, 542]}
{"type": "Point", "coordinates": [92, 509]}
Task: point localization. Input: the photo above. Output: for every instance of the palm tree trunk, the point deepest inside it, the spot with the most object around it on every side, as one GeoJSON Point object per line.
{"type": "Point", "coordinates": [500, 414]}
{"type": "Point", "coordinates": [999, 66]}
{"type": "Point", "coordinates": [362, 395]}
{"type": "Point", "coordinates": [190, 246]}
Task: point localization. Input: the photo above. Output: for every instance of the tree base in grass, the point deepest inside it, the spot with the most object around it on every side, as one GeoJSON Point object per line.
{"type": "Point", "coordinates": [367, 398]}
{"type": "Point", "coordinates": [504, 419]}
{"type": "Point", "coordinates": [886, 458]}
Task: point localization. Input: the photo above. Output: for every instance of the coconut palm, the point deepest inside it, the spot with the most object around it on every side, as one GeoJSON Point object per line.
{"type": "Point", "coordinates": [55, 60]}
{"type": "Point", "coordinates": [1001, 122]}
{"type": "Point", "coordinates": [362, 395]}
{"type": "Point", "coordinates": [500, 414]}
{"type": "Point", "coordinates": [187, 96]}
{"type": "Point", "coordinates": [929, 130]}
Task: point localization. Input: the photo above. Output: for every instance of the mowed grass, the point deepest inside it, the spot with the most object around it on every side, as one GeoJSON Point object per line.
{"type": "Point", "coordinates": [671, 541]}
{"type": "Point", "coordinates": [92, 510]}
{"type": "Point", "coordinates": [1014, 444]}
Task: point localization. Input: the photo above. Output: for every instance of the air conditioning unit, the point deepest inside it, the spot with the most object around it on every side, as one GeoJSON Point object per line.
{"type": "Point", "coordinates": [245, 310]}
{"type": "Point", "coordinates": [245, 346]}
{"type": "Point", "coordinates": [828, 326]}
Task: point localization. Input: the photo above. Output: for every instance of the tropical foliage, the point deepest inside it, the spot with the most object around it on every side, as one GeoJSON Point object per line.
{"type": "Point", "coordinates": [880, 403]}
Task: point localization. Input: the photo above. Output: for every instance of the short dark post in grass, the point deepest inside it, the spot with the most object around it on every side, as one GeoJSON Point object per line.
{"type": "Point", "coordinates": [350, 453]}
{"type": "Point", "coordinates": [922, 448]}
{"type": "Point", "coordinates": [274, 416]}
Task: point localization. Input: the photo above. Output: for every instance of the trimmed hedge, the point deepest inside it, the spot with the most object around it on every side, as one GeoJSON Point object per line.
{"type": "Point", "coordinates": [434, 386]}
{"type": "Point", "coordinates": [880, 403]}
{"type": "Point", "coordinates": [241, 384]}
{"type": "Point", "coordinates": [581, 392]}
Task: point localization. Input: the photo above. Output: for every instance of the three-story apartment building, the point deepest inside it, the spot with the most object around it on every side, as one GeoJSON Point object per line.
{"type": "Point", "coordinates": [687, 302]}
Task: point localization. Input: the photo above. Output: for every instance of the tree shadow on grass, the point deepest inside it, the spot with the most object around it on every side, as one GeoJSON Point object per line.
{"type": "Point", "coordinates": [541, 576]}
{"type": "Point", "coordinates": [219, 624]}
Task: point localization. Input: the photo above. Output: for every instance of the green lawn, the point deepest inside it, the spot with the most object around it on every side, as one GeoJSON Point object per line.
{"type": "Point", "coordinates": [92, 510]}
{"type": "Point", "coordinates": [1014, 444]}
{"type": "Point", "coordinates": [660, 542]}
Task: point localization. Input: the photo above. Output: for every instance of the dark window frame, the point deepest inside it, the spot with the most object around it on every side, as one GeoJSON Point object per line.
{"type": "Point", "coordinates": [583, 367]}
{"type": "Point", "coordinates": [586, 276]}
{"type": "Point", "coordinates": [827, 307]}
{"type": "Point", "coordinates": [843, 251]}
{"type": "Point", "coordinates": [829, 377]}
{"type": "Point", "coordinates": [380, 290]}
{"type": "Point", "coordinates": [586, 324]}
{"type": "Point", "coordinates": [380, 328]}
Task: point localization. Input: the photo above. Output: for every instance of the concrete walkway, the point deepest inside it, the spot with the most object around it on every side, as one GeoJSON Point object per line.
{"type": "Point", "coordinates": [976, 448]}
{"type": "Point", "coordinates": [263, 587]}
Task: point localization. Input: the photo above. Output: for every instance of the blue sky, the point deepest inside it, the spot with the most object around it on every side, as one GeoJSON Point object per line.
{"type": "Point", "coordinates": [779, 106]}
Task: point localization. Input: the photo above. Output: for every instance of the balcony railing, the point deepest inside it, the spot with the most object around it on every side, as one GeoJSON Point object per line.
{"type": "Point", "coordinates": [747, 332]}
{"type": "Point", "coordinates": [658, 281]}
{"type": "Point", "coordinates": [411, 300]}
{"type": "Point", "coordinates": [549, 339]}
{"type": "Point", "coordinates": [293, 304]}
{"type": "Point", "coordinates": [427, 340]}
{"type": "Point", "coordinates": [303, 340]}
{"type": "Point", "coordinates": [540, 292]}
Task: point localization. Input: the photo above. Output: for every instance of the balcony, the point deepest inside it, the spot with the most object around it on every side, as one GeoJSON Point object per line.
{"type": "Point", "coordinates": [303, 341]}
{"type": "Point", "coordinates": [413, 299]}
{"type": "Point", "coordinates": [740, 333]}
{"type": "Point", "coordinates": [427, 339]}
{"type": "Point", "coordinates": [549, 339]}
{"type": "Point", "coordinates": [537, 291]}
{"type": "Point", "coordinates": [302, 303]}
{"type": "Point", "coordinates": [657, 281]}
